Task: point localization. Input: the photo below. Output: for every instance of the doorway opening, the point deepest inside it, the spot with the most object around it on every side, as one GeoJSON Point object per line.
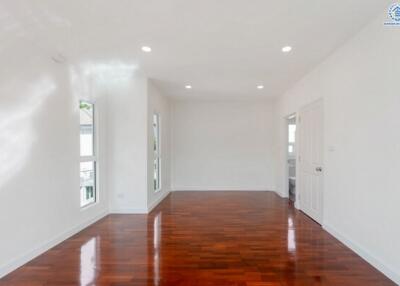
{"type": "Point", "coordinates": [291, 156]}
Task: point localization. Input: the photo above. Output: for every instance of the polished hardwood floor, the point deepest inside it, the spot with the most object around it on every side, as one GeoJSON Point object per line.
{"type": "Point", "coordinates": [202, 238]}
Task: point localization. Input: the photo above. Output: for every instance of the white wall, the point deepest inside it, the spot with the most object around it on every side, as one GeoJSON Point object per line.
{"type": "Point", "coordinates": [358, 84]}
{"type": "Point", "coordinates": [39, 152]}
{"type": "Point", "coordinates": [132, 101]}
{"type": "Point", "coordinates": [215, 145]}
{"type": "Point", "coordinates": [39, 132]}
{"type": "Point", "coordinates": [223, 145]}
{"type": "Point", "coordinates": [160, 104]}
{"type": "Point", "coordinates": [127, 144]}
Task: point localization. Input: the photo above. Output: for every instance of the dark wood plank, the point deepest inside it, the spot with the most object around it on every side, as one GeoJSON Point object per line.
{"type": "Point", "coordinates": [202, 238]}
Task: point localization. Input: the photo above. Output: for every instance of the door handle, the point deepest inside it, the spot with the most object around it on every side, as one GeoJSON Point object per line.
{"type": "Point", "coordinates": [318, 169]}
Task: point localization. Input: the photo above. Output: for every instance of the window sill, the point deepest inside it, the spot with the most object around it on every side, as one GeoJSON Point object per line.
{"type": "Point", "coordinates": [84, 208]}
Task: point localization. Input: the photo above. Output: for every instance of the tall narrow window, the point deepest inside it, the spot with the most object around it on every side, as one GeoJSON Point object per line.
{"type": "Point", "coordinates": [88, 154]}
{"type": "Point", "coordinates": [157, 152]}
{"type": "Point", "coordinates": [292, 138]}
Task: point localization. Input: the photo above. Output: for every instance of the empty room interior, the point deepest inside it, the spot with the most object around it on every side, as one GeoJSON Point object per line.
{"type": "Point", "coordinates": [184, 142]}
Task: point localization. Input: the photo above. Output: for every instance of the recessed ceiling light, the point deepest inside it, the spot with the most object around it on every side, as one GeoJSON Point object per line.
{"type": "Point", "coordinates": [146, 49]}
{"type": "Point", "coordinates": [260, 86]}
{"type": "Point", "coordinates": [286, 49]}
{"type": "Point", "coordinates": [188, 86]}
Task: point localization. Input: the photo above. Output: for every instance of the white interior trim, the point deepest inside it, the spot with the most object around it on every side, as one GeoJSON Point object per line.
{"type": "Point", "coordinates": [128, 211]}
{"type": "Point", "coordinates": [366, 255]}
{"type": "Point", "coordinates": [22, 260]}
{"type": "Point", "coordinates": [223, 188]}
{"type": "Point", "coordinates": [33, 253]}
{"type": "Point", "coordinates": [283, 196]}
{"type": "Point", "coordinates": [18, 262]}
{"type": "Point", "coordinates": [158, 201]}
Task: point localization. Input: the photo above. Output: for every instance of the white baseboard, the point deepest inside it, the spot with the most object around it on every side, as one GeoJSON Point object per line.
{"type": "Point", "coordinates": [375, 262]}
{"type": "Point", "coordinates": [219, 188]}
{"type": "Point", "coordinates": [157, 201]}
{"type": "Point", "coordinates": [140, 210]}
{"type": "Point", "coordinates": [127, 211]}
{"type": "Point", "coordinates": [18, 262]}
{"type": "Point", "coordinates": [281, 195]}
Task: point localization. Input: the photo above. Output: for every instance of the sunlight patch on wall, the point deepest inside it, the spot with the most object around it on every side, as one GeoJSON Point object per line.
{"type": "Point", "coordinates": [17, 134]}
{"type": "Point", "coordinates": [88, 77]}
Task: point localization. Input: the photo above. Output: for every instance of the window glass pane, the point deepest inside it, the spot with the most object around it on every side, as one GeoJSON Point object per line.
{"type": "Point", "coordinates": [88, 183]}
{"type": "Point", "coordinates": [156, 133]}
{"type": "Point", "coordinates": [291, 149]}
{"type": "Point", "coordinates": [292, 133]}
{"type": "Point", "coordinates": [157, 174]}
{"type": "Point", "coordinates": [156, 148]}
{"type": "Point", "coordinates": [86, 128]}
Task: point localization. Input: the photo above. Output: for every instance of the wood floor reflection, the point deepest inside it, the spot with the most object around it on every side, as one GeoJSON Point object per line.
{"type": "Point", "coordinates": [202, 238]}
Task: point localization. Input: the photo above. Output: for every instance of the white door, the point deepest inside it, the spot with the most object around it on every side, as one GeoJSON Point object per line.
{"type": "Point", "coordinates": [311, 160]}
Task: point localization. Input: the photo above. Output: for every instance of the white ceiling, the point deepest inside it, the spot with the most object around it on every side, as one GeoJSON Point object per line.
{"type": "Point", "coordinates": [220, 47]}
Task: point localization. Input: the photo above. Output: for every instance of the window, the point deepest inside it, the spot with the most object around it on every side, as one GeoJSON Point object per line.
{"type": "Point", "coordinates": [292, 139]}
{"type": "Point", "coordinates": [88, 154]}
{"type": "Point", "coordinates": [157, 152]}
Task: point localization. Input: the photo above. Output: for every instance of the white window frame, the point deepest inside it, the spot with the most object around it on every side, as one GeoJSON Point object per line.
{"type": "Point", "coordinates": [157, 153]}
{"type": "Point", "coordinates": [92, 158]}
